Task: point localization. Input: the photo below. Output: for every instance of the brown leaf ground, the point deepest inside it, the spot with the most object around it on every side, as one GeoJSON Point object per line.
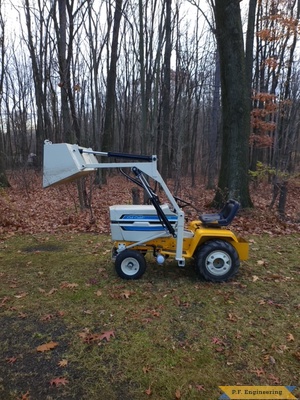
{"type": "Point", "coordinates": [28, 208]}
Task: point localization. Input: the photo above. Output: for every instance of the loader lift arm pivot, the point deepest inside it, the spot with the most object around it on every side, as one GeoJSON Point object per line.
{"type": "Point", "coordinates": [153, 198]}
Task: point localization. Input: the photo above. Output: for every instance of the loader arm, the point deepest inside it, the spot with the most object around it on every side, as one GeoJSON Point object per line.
{"type": "Point", "coordinates": [64, 162]}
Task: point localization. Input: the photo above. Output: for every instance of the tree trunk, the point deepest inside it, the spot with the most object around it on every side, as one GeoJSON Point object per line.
{"type": "Point", "coordinates": [166, 88]}
{"type": "Point", "coordinates": [108, 135]}
{"type": "Point", "coordinates": [61, 33]}
{"type": "Point", "coordinates": [3, 178]}
{"type": "Point", "coordinates": [109, 121]}
{"type": "Point", "coordinates": [233, 178]}
{"type": "Point", "coordinates": [214, 127]}
{"type": "Point", "coordinates": [38, 61]}
{"type": "Point", "coordinates": [142, 79]}
{"type": "Point", "coordinates": [249, 43]}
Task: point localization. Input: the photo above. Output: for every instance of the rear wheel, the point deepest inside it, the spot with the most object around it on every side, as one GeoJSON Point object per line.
{"type": "Point", "coordinates": [130, 264]}
{"type": "Point", "coordinates": [217, 261]}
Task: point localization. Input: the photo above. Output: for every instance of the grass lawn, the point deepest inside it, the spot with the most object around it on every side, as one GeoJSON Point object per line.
{"type": "Point", "coordinates": [166, 336]}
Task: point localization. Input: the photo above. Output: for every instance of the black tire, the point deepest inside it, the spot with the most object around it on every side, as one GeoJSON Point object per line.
{"type": "Point", "coordinates": [217, 261]}
{"type": "Point", "coordinates": [130, 264]}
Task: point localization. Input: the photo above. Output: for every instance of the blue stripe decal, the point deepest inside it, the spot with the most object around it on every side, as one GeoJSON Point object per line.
{"type": "Point", "coordinates": [146, 218]}
{"type": "Point", "coordinates": [143, 228]}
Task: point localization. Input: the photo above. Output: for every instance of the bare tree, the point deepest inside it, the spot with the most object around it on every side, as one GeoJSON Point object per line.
{"type": "Point", "coordinates": [286, 130]}
{"type": "Point", "coordinates": [108, 133]}
{"type": "Point", "coordinates": [37, 43]}
{"type": "Point", "coordinates": [274, 133]}
{"type": "Point", "coordinates": [67, 26]}
{"type": "Point", "coordinates": [214, 127]}
{"type": "Point", "coordinates": [96, 41]}
{"type": "Point", "coordinates": [3, 178]}
{"type": "Point", "coordinates": [166, 89]}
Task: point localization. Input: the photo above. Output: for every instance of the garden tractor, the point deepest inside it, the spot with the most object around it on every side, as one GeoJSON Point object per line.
{"type": "Point", "coordinates": [155, 228]}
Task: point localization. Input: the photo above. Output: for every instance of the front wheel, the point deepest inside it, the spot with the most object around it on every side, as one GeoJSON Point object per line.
{"type": "Point", "coordinates": [130, 264]}
{"type": "Point", "coordinates": [217, 261]}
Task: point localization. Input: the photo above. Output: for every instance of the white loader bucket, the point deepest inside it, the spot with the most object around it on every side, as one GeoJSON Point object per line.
{"type": "Point", "coordinates": [65, 162]}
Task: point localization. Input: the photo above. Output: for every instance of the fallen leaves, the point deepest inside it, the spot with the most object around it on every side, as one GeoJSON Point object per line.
{"type": "Point", "coordinates": [88, 312]}
{"type": "Point", "coordinates": [269, 302]}
{"type": "Point", "coordinates": [297, 355]}
{"type": "Point", "coordinates": [89, 338]}
{"type": "Point", "coordinates": [62, 363]}
{"type": "Point", "coordinates": [126, 294]}
{"type": "Point", "coordinates": [259, 372]}
{"type": "Point", "coordinates": [220, 344]}
{"type": "Point", "coordinates": [290, 337]}
{"type": "Point", "coordinates": [148, 391]}
{"type": "Point", "coordinates": [4, 300]}
{"type": "Point", "coordinates": [52, 291]}
{"type": "Point", "coordinates": [271, 276]}
{"type": "Point", "coordinates": [232, 317]}
{"type": "Point", "coordinates": [60, 381]}
{"type": "Point", "coordinates": [269, 359]}
{"type": "Point", "coordinates": [19, 217]}
{"type": "Point", "coordinates": [148, 315]}
{"type": "Point", "coordinates": [274, 379]}
{"type": "Point", "coordinates": [47, 317]}
{"type": "Point", "coordinates": [107, 335]}
{"type": "Point", "coordinates": [11, 360]}
{"type": "Point", "coordinates": [21, 295]}
{"type": "Point", "coordinates": [47, 346]}
{"type": "Point", "coordinates": [50, 317]}
{"type": "Point", "coordinates": [24, 396]}
{"type": "Point", "coordinates": [63, 285]}
{"type": "Point", "coordinates": [200, 388]}
{"type": "Point", "coordinates": [281, 348]}
{"type": "Point", "coordinates": [68, 285]}
{"type": "Point", "coordinates": [216, 340]}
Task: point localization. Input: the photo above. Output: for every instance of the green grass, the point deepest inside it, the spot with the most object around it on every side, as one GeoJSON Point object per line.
{"type": "Point", "coordinates": [175, 336]}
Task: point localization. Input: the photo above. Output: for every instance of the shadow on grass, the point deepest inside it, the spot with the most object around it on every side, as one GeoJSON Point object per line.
{"type": "Point", "coordinates": [27, 373]}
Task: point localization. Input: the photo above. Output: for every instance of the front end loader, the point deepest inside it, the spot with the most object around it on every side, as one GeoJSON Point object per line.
{"type": "Point", "coordinates": [155, 228]}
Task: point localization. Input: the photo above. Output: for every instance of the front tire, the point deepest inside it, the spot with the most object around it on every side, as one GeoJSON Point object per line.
{"type": "Point", "coordinates": [217, 261]}
{"type": "Point", "coordinates": [130, 264]}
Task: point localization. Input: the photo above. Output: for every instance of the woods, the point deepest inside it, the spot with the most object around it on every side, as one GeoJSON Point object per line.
{"type": "Point", "coordinates": [212, 88]}
{"type": "Point", "coordinates": [146, 77]}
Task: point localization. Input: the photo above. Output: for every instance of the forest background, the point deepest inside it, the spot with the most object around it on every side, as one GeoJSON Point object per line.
{"type": "Point", "coordinates": [144, 77]}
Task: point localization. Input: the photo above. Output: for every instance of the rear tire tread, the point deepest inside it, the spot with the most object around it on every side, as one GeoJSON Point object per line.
{"type": "Point", "coordinates": [206, 249]}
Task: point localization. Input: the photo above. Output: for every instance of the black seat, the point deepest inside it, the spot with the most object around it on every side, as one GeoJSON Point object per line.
{"type": "Point", "coordinates": [224, 217]}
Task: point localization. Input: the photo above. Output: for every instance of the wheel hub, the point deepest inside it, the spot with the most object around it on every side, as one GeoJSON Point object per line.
{"type": "Point", "coordinates": [218, 263]}
{"type": "Point", "coordinates": [129, 266]}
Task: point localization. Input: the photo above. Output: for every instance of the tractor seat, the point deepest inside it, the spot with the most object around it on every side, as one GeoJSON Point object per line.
{"type": "Point", "coordinates": [224, 217]}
